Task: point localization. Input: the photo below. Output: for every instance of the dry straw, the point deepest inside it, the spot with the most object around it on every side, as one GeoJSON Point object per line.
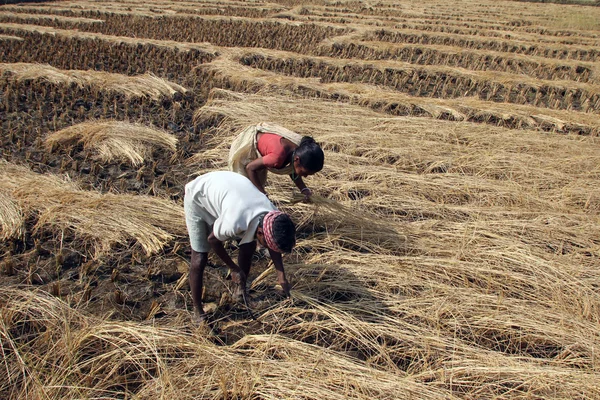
{"type": "Point", "coordinates": [10, 37]}
{"type": "Point", "coordinates": [437, 260]}
{"type": "Point", "coordinates": [73, 33]}
{"type": "Point", "coordinates": [100, 221]}
{"type": "Point", "coordinates": [114, 140]}
{"type": "Point", "coordinates": [228, 71]}
{"type": "Point", "coordinates": [12, 221]}
{"type": "Point", "coordinates": [98, 358]}
{"type": "Point", "coordinates": [352, 46]}
{"type": "Point", "coordinates": [36, 18]}
{"type": "Point", "coordinates": [147, 85]}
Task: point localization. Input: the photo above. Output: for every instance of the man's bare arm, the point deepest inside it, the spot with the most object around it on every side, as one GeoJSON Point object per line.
{"type": "Point", "coordinates": [252, 170]}
{"type": "Point", "coordinates": [219, 249]}
{"type": "Point", "coordinates": [281, 279]}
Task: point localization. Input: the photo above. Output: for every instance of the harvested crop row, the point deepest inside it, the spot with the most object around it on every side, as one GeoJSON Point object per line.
{"type": "Point", "coordinates": [392, 14]}
{"type": "Point", "coordinates": [62, 103]}
{"type": "Point", "coordinates": [150, 353]}
{"type": "Point", "coordinates": [456, 28]}
{"type": "Point", "coordinates": [224, 8]}
{"type": "Point", "coordinates": [226, 72]}
{"type": "Point", "coordinates": [441, 83]}
{"type": "Point", "coordinates": [560, 32]}
{"type": "Point", "coordinates": [499, 33]}
{"type": "Point", "coordinates": [150, 9]}
{"type": "Point", "coordinates": [73, 50]}
{"type": "Point", "coordinates": [435, 368]}
{"type": "Point", "coordinates": [513, 30]}
{"type": "Point", "coordinates": [101, 221]}
{"type": "Point", "coordinates": [472, 110]}
{"type": "Point", "coordinates": [146, 85]}
{"type": "Point", "coordinates": [514, 27]}
{"type": "Point", "coordinates": [218, 31]}
{"type": "Point", "coordinates": [560, 52]}
{"type": "Point", "coordinates": [529, 160]}
{"type": "Point", "coordinates": [540, 68]}
{"type": "Point", "coordinates": [44, 19]}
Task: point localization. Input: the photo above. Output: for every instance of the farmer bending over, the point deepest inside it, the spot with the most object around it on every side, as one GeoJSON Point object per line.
{"type": "Point", "coordinates": [267, 146]}
{"type": "Point", "coordinates": [224, 205]}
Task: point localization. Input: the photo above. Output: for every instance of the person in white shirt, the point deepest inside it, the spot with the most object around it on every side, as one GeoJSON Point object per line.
{"type": "Point", "coordinates": [223, 205]}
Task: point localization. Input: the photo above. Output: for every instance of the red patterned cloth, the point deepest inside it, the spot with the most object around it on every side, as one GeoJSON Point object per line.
{"type": "Point", "coordinates": [268, 230]}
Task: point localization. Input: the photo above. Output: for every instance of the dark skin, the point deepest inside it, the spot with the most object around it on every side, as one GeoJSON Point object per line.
{"type": "Point", "coordinates": [257, 165]}
{"type": "Point", "coordinates": [239, 271]}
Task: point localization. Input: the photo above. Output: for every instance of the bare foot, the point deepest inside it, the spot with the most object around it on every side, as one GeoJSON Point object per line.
{"type": "Point", "coordinates": [200, 318]}
{"type": "Point", "coordinates": [239, 290]}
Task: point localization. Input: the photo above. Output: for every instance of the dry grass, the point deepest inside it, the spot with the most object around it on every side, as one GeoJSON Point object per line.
{"type": "Point", "coordinates": [114, 140]}
{"type": "Point", "coordinates": [228, 72]}
{"type": "Point", "coordinates": [576, 18]}
{"type": "Point", "coordinates": [12, 221]}
{"type": "Point", "coordinates": [73, 33]}
{"type": "Point", "coordinates": [36, 18]}
{"type": "Point", "coordinates": [352, 46]}
{"type": "Point", "coordinates": [146, 85]}
{"type": "Point", "coordinates": [112, 357]}
{"type": "Point", "coordinates": [100, 221]}
{"type": "Point", "coordinates": [10, 37]}
{"type": "Point", "coordinates": [434, 81]}
{"type": "Point", "coordinates": [439, 258]}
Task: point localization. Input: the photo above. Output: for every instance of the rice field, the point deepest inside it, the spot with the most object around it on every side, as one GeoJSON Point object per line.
{"type": "Point", "coordinates": [452, 247]}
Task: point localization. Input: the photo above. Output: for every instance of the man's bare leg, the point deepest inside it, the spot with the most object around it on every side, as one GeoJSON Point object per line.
{"type": "Point", "coordinates": [197, 265]}
{"type": "Point", "coordinates": [245, 253]}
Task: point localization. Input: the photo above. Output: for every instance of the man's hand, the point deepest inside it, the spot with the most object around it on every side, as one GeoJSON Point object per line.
{"type": "Point", "coordinates": [285, 285]}
{"type": "Point", "coordinates": [281, 279]}
{"type": "Point", "coordinates": [238, 277]}
{"type": "Point", "coordinates": [239, 290]}
{"type": "Point", "coordinates": [307, 194]}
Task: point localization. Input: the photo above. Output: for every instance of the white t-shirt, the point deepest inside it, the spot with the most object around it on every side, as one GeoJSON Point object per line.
{"type": "Point", "coordinates": [230, 202]}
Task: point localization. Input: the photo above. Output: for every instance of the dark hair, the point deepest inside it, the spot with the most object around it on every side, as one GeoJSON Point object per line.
{"type": "Point", "coordinates": [284, 233]}
{"type": "Point", "coordinates": [310, 154]}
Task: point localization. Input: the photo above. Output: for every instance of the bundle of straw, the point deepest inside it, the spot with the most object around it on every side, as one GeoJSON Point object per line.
{"type": "Point", "coordinates": [114, 140]}
{"type": "Point", "coordinates": [101, 220]}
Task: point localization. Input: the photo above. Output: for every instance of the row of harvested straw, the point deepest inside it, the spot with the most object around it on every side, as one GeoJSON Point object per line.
{"type": "Point", "coordinates": [227, 73]}
{"type": "Point", "coordinates": [154, 9]}
{"type": "Point", "coordinates": [118, 54]}
{"type": "Point", "coordinates": [147, 85]}
{"type": "Point", "coordinates": [100, 221]}
{"type": "Point", "coordinates": [537, 67]}
{"type": "Point", "coordinates": [549, 51]}
{"type": "Point", "coordinates": [220, 31]}
{"type": "Point", "coordinates": [435, 81]}
{"type": "Point", "coordinates": [19, 17]}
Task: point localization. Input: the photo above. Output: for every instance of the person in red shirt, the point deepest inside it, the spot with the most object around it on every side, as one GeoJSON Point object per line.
{"type": "Point", "coordinates": [281, 152]}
